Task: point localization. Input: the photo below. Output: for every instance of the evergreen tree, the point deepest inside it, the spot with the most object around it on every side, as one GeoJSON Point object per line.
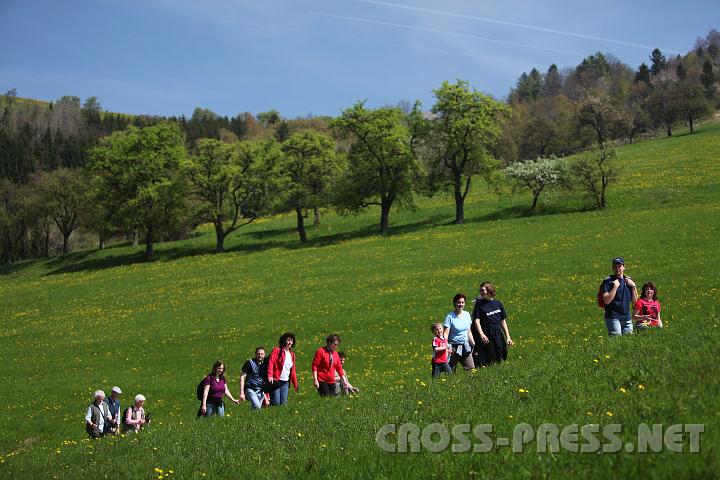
{"type": "Point", "coordinates": [658, 62]}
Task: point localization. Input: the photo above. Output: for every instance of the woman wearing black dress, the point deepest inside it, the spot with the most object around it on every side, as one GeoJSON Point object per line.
{"type": "Point", "coordinates": [490, 327]}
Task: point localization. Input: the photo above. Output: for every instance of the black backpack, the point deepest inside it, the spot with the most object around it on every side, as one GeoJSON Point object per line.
{"type": "Point", "coordinates": [201, 389]}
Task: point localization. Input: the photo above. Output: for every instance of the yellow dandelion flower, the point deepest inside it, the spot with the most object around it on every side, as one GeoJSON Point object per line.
{"type": "Point", "coordinates": [622, 390]}
{"type": "Point", "coordinates": [641, 386]}
{"type": "Point", "coordinates": [609, 414]}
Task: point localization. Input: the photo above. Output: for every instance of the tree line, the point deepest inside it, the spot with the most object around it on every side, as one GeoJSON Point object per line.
{"type": "Point", "coordinates": [67, 166]}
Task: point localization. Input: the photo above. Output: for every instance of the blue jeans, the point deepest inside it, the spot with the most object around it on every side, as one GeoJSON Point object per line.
{"type": "Point", "coordinates": [279, 395]}
{"type": "Point", "coordinates": [255, 397]}
{"type": "Point", "coordinates": [616, 326]}
{"type": "Point", "coordinates": [215, 409]}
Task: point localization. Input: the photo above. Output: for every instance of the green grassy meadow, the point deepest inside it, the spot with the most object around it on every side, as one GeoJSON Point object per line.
{"type": "Point", "coordinates": [73, 324]}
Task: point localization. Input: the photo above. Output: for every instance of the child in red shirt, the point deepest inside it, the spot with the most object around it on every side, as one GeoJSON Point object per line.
{"type": "Point", "coordinates": [647, 308]}
{"type": "Point", "coordinates": [440, 351]}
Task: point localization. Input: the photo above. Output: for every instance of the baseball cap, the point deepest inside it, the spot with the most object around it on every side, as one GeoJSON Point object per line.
{"type": "Point", "coordinates": [619, 260]}
{"type": "Point", "coordinates": [116, 389]}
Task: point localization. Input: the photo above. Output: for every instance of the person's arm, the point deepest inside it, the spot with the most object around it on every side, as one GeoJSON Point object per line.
{"type": "Point", "coordinates": [203, 407]}
{"type": "Point", "coordinates": [229, 395]}
{"type": "Point", "coordinates": [483, 337]}
{"type": "Point", "coordinates": [271, 363]}
{"type": "Point", "coordinates": [242, 386]}
{"type": "Point", "coordinates": [633, 289]}
{"type": "Point", "coordinates": [129, 420]}
{"type": "Point", "coordinates": [636, 313]}
{"type": "Point", "coordinates": [609, 296]}
{"type": "Point", "coordinates": [507, 333]}
{"type": "Point", "coordinates": [439, 348]}
{"type": "Point", "coordinates": [293, 372]}
{"type": "Point", "coordinates": [315, 365]}
{"type": "Point", "coordinates": [471, 338]}
{"type": "Point", "coordinates": [88, 417]}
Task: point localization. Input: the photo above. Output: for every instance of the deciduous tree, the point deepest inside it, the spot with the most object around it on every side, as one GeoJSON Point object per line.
{"type": "Point", "coordinates": [465, 125]}
{"type": "Point", "coordinates": [381, 165]}
{"type": "Point", "coordinates": [138, 178]}
{"type": "Point", "coordinates": [229, 182]}
{"type": "Point", "coordinates": [305, 173]}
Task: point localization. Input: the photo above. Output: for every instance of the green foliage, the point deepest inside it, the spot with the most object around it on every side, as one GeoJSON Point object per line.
{"type": "Point", "coordinates": [464, 127]}
{"type": "Point", "coordinates": [657, 62]}
{"type": "Point", "coordinates": [305, 173]}
{"type": "Point", "coordinates": [63, 196]}
{"type": "Point", "coordinates": [137, 179]}
{"type": "Point", "coordinates": [539, 174]}
{"type": "Point", "coordinates": [594, 171]}
{"type": "Point", "coordinates": [17, 209]}
{"type": "Point", "coordinates": [229, 182]}
{"type": "Point", "coordinates": [381, 165]}
{"type": "Point", "coordinates": [663, 104]}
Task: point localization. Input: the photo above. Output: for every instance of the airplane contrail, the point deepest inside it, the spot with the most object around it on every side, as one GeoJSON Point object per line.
{"type": "Point", "coordinates": [508, 24]}
{"type": "Point", "coordinates": [442, 32]}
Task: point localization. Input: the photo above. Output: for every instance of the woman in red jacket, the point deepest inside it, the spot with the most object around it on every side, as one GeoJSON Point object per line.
{"type": "Point", "coordinates": [281, 369]}
{"type": "Point", "coordinates": [325, 364]}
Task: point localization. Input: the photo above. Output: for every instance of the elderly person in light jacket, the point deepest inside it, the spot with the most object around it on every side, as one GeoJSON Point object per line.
{"type": "Point", "coordinates": [98, 414]}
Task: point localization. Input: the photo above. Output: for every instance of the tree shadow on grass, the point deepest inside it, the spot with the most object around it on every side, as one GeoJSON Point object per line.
{"type": "Point", "coordinates": [278, 238]}
{"type": "Point", "coordinates": [524, 211]}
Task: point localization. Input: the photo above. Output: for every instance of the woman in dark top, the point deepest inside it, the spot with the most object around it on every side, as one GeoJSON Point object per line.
{"type": "Point", "coordinates": [214, 390]}
{"type": "Point", "coordinates": [490, 327]}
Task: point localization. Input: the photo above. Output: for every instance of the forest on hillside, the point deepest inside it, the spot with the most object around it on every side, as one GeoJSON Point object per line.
{"type": "Point", "coordinates": [73, 176]}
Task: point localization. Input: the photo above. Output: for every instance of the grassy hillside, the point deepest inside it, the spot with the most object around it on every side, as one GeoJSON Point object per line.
{"type": "Point", "coordinates": [72, 324]}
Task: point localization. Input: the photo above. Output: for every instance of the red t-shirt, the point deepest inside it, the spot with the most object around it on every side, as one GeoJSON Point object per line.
{"type": "Point", "coordinates": [648, 307]}
{"type": "Point", "coordinates": [326, 364]}
{"type": "Point", "coordinates": [442, 356]}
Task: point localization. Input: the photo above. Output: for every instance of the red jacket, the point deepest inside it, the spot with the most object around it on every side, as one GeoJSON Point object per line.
{"type": "Point", "coordinates": [322, 365]}
{"type": "Point", "coordinates": [275, 366]}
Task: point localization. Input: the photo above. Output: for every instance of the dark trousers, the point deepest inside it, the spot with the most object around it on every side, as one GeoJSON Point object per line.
{"type": "Point", "coordinates": [327, 389]}
{"type": "Point", "coordinates": [440, 368]}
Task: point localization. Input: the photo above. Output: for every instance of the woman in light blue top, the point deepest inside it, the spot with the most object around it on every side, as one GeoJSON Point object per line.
{"type": "Point", "coordinates": [458, 334]}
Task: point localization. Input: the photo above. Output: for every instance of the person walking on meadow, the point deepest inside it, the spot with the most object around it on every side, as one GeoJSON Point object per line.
{"type": "Point", "coordinates": [439, 362]}
{"type": "Point", "coordinates": [214, 389]}
{"type": "Point", "coordinates": [647, 308]}
{"type": "Point", "coordinates": [98, 414]}
{"type": "Point", "coordinates": [254, 373]}
{"type": "Point", "coordinates": [619, 293]}
{"type": "Point", "coordinates": [457, 333]}
{"type": "Point", "coordinates": [113, 403]}
{"type": "Point", "coordinates": [324, 365]}
{"type": "Point", "coordinates": [134, 417]}
{"type": "Point", "coordinates": [281, 369]}
{"type": "Point", "coordinates": [490, 327]}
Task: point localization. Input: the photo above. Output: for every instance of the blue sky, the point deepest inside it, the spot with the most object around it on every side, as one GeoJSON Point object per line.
{"type": "Point", "coordinates": [316, 57]}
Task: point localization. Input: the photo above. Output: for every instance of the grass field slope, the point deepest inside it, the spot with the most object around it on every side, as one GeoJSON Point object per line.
{"type": "Point", "coordinates": [72, 324]}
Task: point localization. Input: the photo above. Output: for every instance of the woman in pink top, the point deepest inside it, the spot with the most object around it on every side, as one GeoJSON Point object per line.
{"type": "Point", "coordinates": [134, 416]}
{"type": "Point", "coordinates": [647, 308]}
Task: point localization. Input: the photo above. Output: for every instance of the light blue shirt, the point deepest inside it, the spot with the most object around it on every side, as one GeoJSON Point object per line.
{"type": "Point", "coordinates": [459, 326]}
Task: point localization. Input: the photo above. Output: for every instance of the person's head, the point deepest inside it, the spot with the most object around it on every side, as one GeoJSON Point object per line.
{"type": "Point", "coordinates": [99, 396]}
{"type": "Point", "coordinates": [287, 341]}
{"type": "Point", "coordinates": [260, 354]}
{"type": "Point", "coordinates": [459, 301]}
{"type": "Point", "coordinates": [618, 266]}
{"type": "Point", "coordinates": [115, 392]}
{"type": "Point", "coordinates": [333, 341]}
{"type": "Point", "coordinates": [218, 369]}
{"type": "Point", "coordinates": [342, 357]}
{"type": "Point", "coordinates": [139, 400]}
{"type": "Point", "coordinates": [437, 329]}
{"type": "Point", "coordinates": [649, 291]}
{"type": "Point", "coordinates": [487, 290]}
